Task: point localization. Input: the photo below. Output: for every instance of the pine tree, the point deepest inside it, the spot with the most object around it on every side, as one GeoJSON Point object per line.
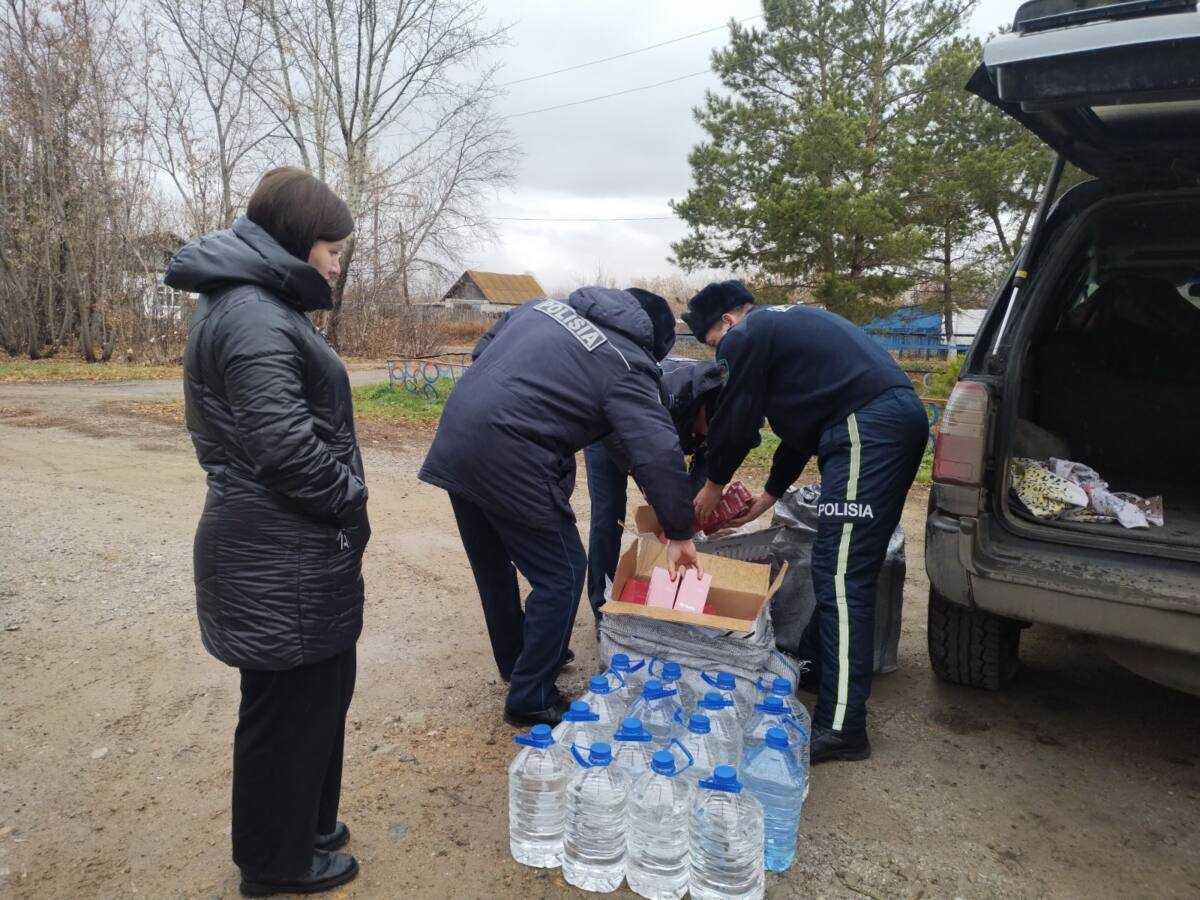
{"type": "Point", "coordinates": [803, 177]}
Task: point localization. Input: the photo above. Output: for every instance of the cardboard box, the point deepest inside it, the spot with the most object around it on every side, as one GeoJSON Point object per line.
{"type": "Point", "coordinates": [739, 592]}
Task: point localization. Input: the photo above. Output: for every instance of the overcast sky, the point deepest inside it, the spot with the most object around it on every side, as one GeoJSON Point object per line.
{"type": "Point", "coordinates": [617, 158]}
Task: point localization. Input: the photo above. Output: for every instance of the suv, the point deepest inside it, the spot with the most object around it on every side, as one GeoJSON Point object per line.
{"type": "Point", "coordinates": [1090, 352]}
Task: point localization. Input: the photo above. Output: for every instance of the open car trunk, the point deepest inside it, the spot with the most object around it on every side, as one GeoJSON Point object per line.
{"type": "Point", "coordinates": [1110, 376]}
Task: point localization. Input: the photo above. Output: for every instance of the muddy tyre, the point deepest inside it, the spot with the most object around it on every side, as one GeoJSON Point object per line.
{"type": "Point", "coordinates": [971, 647]}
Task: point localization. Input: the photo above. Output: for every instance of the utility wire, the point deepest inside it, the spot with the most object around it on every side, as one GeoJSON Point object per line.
{"type": "Point", "coordinates": [596, 62]}
{"type": "Point", "coordinates": [619, 219]}
{"type": "Point", "coordinates": [644, 87]}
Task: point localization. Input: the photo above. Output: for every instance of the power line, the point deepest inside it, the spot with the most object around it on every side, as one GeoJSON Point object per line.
{"type": "Point", "coordinates": [618, 219]}
{"type": "Point", "coordinates": [644, 87]}
{"type": "Point", "coordinates": [596, 62]}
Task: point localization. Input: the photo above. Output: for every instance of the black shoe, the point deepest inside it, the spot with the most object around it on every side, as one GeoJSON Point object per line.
{"type": "Point", "coordinates": [327, 871]}
{"type": "Point", "coordinates": [829, 745]}
{"type": "Point", "coordinates": [566, 661]}
{"type": "Point", "coordinates": [335, 840]}
{"type": "Point", "coordinates": [551, 716]}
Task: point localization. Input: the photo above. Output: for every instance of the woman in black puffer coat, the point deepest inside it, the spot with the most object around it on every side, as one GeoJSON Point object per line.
{"type": "Point", "coordinates": [278, 553]}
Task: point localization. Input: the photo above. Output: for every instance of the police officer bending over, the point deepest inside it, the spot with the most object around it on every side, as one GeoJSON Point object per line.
{"type": "Point", "coordinates": [690, 389]}
{"type": "Point", "coordinates": [548, 379]}
{"type": "Point", "coordinates": [826, 389]}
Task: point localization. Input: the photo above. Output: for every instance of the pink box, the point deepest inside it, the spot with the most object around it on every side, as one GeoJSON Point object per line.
{"type": "Point", "coordinates": [662, 589]}
{"type": "Point", "coordinates": [693, 591]}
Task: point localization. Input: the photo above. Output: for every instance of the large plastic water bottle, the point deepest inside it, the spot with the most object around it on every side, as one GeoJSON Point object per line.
{"type": "Point", "coordinates": [594, 838]}
{"type": "Point", "coordinates": [672, 677]}
{"type": "Point", "coordinates": [659, 840]}
{"type": "Point", "coordinates": [726, 840]}
{"type": "Point", "coordinates": [605, 701]}
{"type": "Point", "coordinates": [770, 713]}
{"type": "Point", "coordinates": [725, 684]}
{"type": "Point", "coordinates": [632, 748]}
{"type": "Point", "coordinates": [579, 727]}
{"type": "Point", "coordinates": [659, 710]}
{"type": "Point", "coordinates": [631, 673]}
{"type": "Point", "coordinates": [537, 801]}
{"type": "Point", "coordinates": [801, 720]}
{"type": "Point", "coordinates": [724, 726]}
{"type": "Point", "coordinates": [773, 775]}
{"type": "Point", "coordinates": [696, 751]}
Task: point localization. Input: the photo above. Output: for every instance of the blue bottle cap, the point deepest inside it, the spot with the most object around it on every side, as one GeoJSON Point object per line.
{"type": "Point", "coordinates": [699, 724]}
{"type": "Point", "coordinates": [713, 700]}
{"type": "Point", "coordinates": [724, 778]}
{"type": "Point", "coordinates": [598, 684]}
{"type": "Point", "coordinates": [672, 671]}
{"type": "Point", "coordinates": [600, 754]}
{"type": "Point", "coordinates": [725, 681]}
{"type": "Point", "coordinates": [776, 738]}
{"type": "Point", "coordinates": [539, 736]}
{"type": "Point", "coordinates": [662, 762]}
{"type": "Point", "coordinates": [632, 730]}
{"type": "Point", "coordinates": [620, 662]}
{"type": "Point", "coordinates": [781, 686]}
{"type": "Point", "coordinates": [655, 690]}
{"type": "Point", "coordinates": [772, 704]}
{"type": "Point", "coordinates": [580, 712]}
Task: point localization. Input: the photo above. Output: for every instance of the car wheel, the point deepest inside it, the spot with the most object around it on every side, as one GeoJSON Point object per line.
{"type": "Point", "coordinates": [971, 647]}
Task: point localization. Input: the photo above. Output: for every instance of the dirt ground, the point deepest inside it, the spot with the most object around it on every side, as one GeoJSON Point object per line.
{"type": "Point", "coordinates": [115, 726]}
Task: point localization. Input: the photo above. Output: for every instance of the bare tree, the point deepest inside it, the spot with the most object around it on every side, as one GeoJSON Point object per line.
{"type": "Point", "coordinates": [206, 121]}
{"type": "Point", "coordinates": [368, 92]}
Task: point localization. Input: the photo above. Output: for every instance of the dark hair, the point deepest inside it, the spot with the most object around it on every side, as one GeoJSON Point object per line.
{"type": "Point", "coordinates": [297, 209]}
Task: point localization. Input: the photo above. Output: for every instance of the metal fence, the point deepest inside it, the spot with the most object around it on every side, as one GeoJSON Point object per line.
{"type": "Point", "coordinates": [424, 377]}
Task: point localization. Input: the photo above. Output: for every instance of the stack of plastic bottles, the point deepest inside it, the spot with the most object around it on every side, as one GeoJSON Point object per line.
{"type": "Point", "coordinates": [668, 802]}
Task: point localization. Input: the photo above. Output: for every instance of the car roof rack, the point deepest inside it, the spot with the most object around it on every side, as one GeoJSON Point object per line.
{"type": "Point", "coordinates": [1040, 15]}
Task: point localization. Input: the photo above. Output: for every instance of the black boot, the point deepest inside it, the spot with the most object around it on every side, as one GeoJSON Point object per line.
{"type": "Point", "coordinates": [327, 871]}
{"type": "Point", "coordinates": [551, 715]}
{"type": "Point", "coordinates": [335, 840]}
{"type": "Point", "coordinates": [829, 745]}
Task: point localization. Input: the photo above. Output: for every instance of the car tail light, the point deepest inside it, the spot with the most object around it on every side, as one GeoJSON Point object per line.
{"type": "Point", "coordinates": [958, 454]}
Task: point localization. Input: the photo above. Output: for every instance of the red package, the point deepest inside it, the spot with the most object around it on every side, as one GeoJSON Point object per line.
{"type": "Point", "coordinates": [735, 503]}
{"type": "Point", "coordinates": [635, 591]}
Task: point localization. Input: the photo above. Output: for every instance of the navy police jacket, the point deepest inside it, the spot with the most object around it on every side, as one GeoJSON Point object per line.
{"type": "Point", "coordinates": [802, 369]}
{"type": "Point", "coordinates": [549, 378]}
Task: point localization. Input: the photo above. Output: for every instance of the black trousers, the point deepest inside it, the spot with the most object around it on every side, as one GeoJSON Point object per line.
{"type": "Point", "coordinates": [287, 763]}
{"type": "Point", "coordinates": [529, 645]}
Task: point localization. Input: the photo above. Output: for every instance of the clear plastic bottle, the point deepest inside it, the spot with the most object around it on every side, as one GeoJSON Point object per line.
{"type": "Point", "coordinates": [774, 776]}
{"type": "Point", "coordinates": [537, 801]}
{"type": "Point", "coordinates": [659, 836]}
{"type": "Point", "coordinates": [801, 723]}
{"type": "Point", "coordinates": [672, 677]}
{"type": "Point", "coordinates": [725, 684]}
{"type": "Point", "coordinates": [605, 701]}
{"type": "Point", "coordinates": [631, 673]}
{"type": "Point", "coordinates": [594, 839]}
{"type": "Point", "coordinates": [696, 751]}
{"type": "Point", "coordinates": [659, 710]}
{"type": "Point", "coordinates": [724, 725]}
{"type": "Point", "coordinates": [579, 727]}
{"type": "Point", "coordinates": [726, 840]}
{"type": "Point", "coordinates": [632, 748]}
{"type": "Point", "coordinates": [771, 712]}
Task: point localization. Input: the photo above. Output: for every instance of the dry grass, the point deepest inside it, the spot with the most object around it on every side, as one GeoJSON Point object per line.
{"type": "Point", "coordinates": [45, 371]}
{"type": "Point", "coordinates": [465, 331]}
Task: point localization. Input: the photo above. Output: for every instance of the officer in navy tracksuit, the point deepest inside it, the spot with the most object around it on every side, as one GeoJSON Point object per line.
{"type": "Point", "coordinates": [690, 389]}
{"type": "Point", "coordinates": [827, 390]}
{"type": "Point", "coordinates": [547, 380]}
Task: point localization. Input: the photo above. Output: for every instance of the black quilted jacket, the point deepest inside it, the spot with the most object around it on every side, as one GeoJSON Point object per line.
{"type": "Point", "coordinates": [278, 552]}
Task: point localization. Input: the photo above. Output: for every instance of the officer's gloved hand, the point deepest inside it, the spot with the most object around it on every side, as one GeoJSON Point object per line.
{"type": "Point", "coordinates": [682, 555]}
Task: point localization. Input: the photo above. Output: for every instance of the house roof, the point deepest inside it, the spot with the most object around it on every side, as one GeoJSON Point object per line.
{"type": "Point", "coordinates": [507, 289]}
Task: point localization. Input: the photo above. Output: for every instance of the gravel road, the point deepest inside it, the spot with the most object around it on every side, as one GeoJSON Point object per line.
{"type": "Point", "coordinates": [115, 726]}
